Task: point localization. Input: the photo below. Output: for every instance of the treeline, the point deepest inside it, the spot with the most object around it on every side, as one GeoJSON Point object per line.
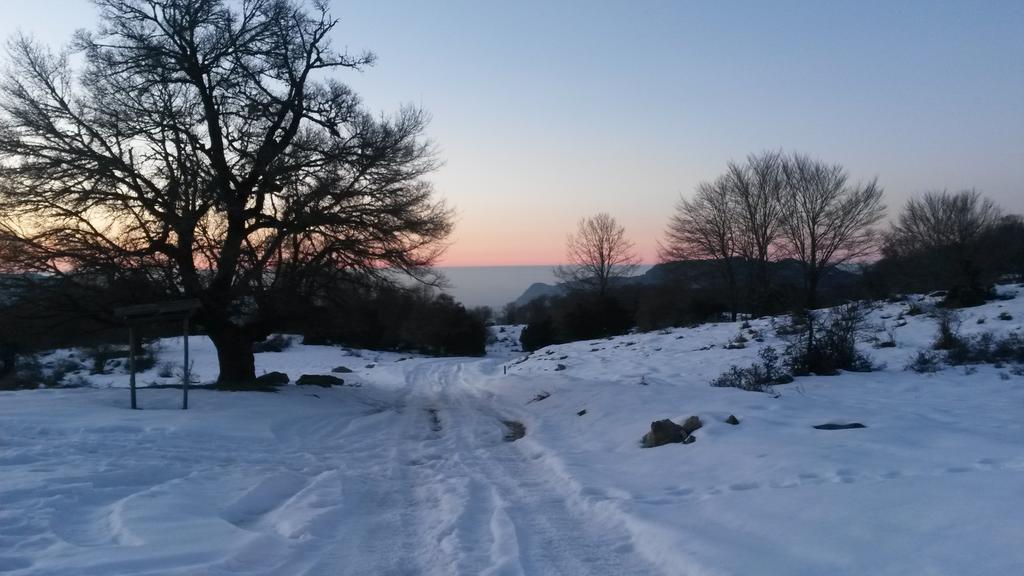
{"type": "Point", "coordinates": [41, 313]}
{"type": "Point", "coordinates": [390, 317]}
{"type": "Point", "coordinates": [779, 233]}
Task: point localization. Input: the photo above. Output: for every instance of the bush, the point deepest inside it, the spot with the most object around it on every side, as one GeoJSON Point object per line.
{"type": "Point", "coordinates": [986, 348]}
{"type": "Point", "coordinates": [948, 336]}
{"type": "Point", "coordinates": [758, 377]}
{"type": "Point", "coordinates": [55, 376]}
{"type": "Point", "coordinates": [537, 335]}
{"type": "Point", "coordinates": [166, 370]}
{"type": "Point", "coordinates": [828, 346]}
{"type": "Point", "coordinates": [926, 361]}
{"type": "Point", "coordinates": [28, 373]}
{"type": "Point", "coordinates": [968, 297]}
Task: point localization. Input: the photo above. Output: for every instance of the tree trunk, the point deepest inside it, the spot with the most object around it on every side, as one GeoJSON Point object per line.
{"type": "Point", "coordinates": [234, 355]}
{"type": "Point", "coordinates": [811, 300]}
{"type": "Point", "coordinates": [733, 297]}
{"type": "Point", "coordinates": [761, 287]}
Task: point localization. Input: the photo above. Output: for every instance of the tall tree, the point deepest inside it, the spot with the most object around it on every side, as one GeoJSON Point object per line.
{"type": "Point", "coordinates": [827, 220]}
{"type": "Point", "coordinates": [207, 146]}
{"type": "Point", "coordinates": [757, 188]}
{"type": "Point", "coordinates": [705, 228]}
{"type": "Point", "coordinates": [598, 253]}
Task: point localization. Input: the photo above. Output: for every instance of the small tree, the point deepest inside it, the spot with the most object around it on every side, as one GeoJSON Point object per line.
{"type": "Point", "coordinates": [826, 220]}
{"type": "Point", "coordinates": [705, 228]}
{"type": "Point", "coordinates": [945, 233]}
{"type": "Point", "coordinates": [598, 253]}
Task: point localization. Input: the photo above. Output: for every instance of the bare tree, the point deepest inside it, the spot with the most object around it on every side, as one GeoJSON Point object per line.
{"type": "Point", "coordinates": [947, 231]}
{"type": "Point", "coordinates": [757, 189]}
{"type": "Point", "coordinates": [206, 146]}
{"type": "Point", "coordinates": [826, 220]}
{"type": "Point", "coordinates": [598, 253]}
{"type": "Point", "coordinates": [705, 229]}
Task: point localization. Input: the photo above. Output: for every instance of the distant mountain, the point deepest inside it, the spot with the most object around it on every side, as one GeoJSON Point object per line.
{"type": "Point", "coordinates": [707, 274]}
{"type": "Point", "coordinates": [539, 290]}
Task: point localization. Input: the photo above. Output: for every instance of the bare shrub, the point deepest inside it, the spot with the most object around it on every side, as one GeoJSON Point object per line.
{"type": "Point", "coordinates": [925, 361]}
{"type": "Point", "coordinates": [758, 377]}
{"type": "Point", "coordinates": [827, 346]}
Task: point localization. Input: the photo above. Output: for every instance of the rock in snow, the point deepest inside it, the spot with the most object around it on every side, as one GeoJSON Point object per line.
{"type": "Point", "coordinates": [321, 380]}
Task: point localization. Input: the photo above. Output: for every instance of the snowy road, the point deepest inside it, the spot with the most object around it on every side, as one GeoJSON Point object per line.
{"type": "Point", "coordinates": [441, 489]}
{"type": "Point", "coordinates": [418, 478]}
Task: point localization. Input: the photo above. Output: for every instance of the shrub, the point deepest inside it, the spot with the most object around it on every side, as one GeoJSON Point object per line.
{"type": "Point", "coordinates": [55, 376]}
{"type": "Point", "coordinates": [537, 335]}
{"type": "Point", "coordinates": [144, 362]}
{"type": "Point", "coordinates": [102, 354]}
{"type": "Point", "coordinates": [828, 346]}
{"type": "Point", "coordinates": [986, 348]}
{"type": "Point", "coordinates": [758, 377]}
{"type": "Point", "coordinates": [968, 296]}
{"type": "Point", "coordinates": [737, 343]}
{"type": "Point", "coordinates": [925, 361]}
{"type": "Point", "coordinates": [166, 370]}
{"type": "Point", "coordinates": [948, 337]}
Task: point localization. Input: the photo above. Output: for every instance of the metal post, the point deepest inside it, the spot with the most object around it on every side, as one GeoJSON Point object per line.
{"type": "Point", "coordinates": [131, 362]}
{"type": "Point", "coordinates": [184, 397]}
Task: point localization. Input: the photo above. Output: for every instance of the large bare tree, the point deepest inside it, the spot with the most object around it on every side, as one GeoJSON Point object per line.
{"type": "Point", "coordinates": [705, 228]}
{"type": "Point", "coordinates": [757, 189]}
{"type": "Point", "coordinates": [208, 146]}
{"type": "Point", "coordinates": [598, 253]}
{"type": "Point", "coordinates": [826, 219]}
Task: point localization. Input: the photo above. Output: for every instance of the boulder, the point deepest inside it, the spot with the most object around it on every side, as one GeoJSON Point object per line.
{"type": "Point", "coordinates": [732, 420]}
{"type": "Point", "coordinates": [664, 432]}
{"type": "Point", "coordinates": [321, 380]}
{"type": "Point", "coordinates": [342, 370]}
{"type": "Point", "coordinates": [272, 379]}
{"type": "Point", "coordinates": [691, 425]}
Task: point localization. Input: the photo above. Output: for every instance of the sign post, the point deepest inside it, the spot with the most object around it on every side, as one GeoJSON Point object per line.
{"type": "Point", "coordinates": [142, 313]}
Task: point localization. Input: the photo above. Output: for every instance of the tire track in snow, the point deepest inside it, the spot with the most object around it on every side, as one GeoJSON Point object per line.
{"type": "Point", "coordinates": [512, 513]}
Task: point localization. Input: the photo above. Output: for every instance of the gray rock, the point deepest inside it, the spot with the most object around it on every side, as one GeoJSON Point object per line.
{"type": "Point", "coordinates": [321, 380]}
{"type": "Point", "coordinates": [342, 370]}
{"type": "Point", "coordinates": [664, 432]}
{"type": "Point", "coordinates": [272, 379]}
{"type": "Point", "coordinates": [732, 420]}
{"type": "Point", "coordinates": [691, 425]}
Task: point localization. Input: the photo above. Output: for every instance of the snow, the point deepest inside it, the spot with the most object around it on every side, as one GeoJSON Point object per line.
{"type": "Point", "coordinates": [406, 469]}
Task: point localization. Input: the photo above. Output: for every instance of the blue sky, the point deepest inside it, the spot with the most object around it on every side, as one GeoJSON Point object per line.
{"type": "Point", "coordinates": [548, 111]}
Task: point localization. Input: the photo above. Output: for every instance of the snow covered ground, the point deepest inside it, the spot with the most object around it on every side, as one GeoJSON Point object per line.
{"type": "Point", "coordinates": [408, 468]}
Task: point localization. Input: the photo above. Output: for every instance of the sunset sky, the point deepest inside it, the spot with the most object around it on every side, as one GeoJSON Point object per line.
{"type": "Point", "coordinates": [548, 111]}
